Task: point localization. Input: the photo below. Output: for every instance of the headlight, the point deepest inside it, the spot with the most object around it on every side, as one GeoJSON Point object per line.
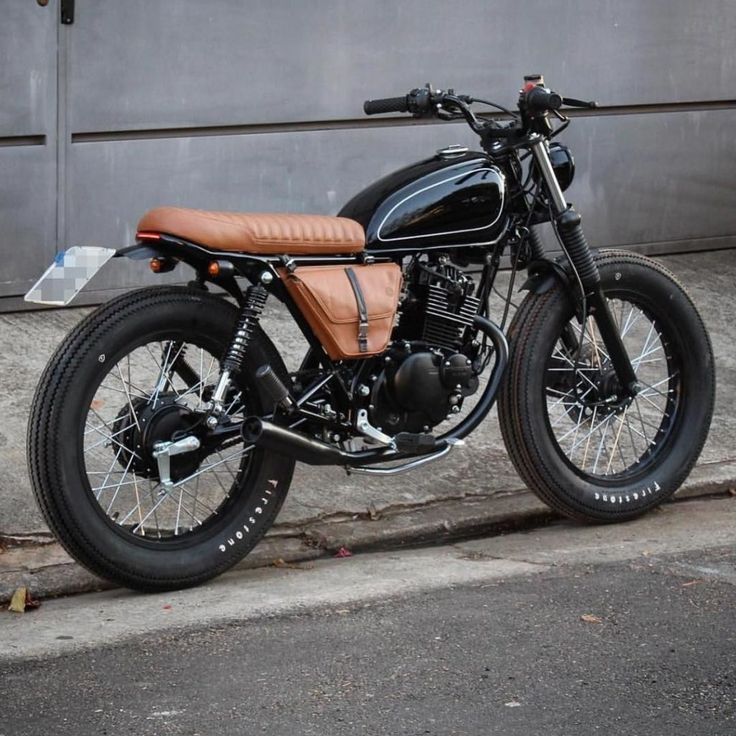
{"type": "Point", "coordinates": [563, 164]}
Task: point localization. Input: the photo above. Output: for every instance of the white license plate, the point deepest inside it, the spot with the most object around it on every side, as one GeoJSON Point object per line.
{"type": "Point", "coordinates": [68, 274]}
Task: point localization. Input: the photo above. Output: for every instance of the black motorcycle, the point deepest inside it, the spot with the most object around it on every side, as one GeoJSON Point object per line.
{"type": "Point", "coordinates": [165, 429]}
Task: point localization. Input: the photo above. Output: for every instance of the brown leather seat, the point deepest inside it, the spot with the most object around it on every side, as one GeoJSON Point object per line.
{"type": "Point", "coordinates": [261, 233]}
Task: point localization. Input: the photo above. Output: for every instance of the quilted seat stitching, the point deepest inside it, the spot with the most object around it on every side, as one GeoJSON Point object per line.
{"type": "Point", "coordinates": [335, 231]}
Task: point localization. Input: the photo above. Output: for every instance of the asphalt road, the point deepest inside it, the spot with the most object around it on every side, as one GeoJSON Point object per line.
{"type": "Point", "coordinates": [513, 655]}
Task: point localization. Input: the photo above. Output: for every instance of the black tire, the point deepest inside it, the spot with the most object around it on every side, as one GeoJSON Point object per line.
{"type": "Point", "coordinates": [547, 459]}
{"type": "Point", "coordinates": [60, 453]}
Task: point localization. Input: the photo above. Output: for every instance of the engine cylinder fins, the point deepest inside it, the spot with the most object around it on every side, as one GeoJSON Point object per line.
{"type": "Point", "coordinates": [447, 315]}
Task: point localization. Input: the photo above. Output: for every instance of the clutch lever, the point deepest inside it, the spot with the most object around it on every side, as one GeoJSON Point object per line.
{"type": "Point", "coordinates": [444, 114]}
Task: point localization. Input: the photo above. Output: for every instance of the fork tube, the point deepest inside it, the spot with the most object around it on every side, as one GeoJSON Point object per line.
{"type": "Point", "coordinates": [570, 232]}
{"type": "Point", "coordinates": [541, 158]}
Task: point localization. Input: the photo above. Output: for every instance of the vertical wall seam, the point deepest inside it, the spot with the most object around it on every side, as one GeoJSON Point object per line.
{"type": "Point", "coordinates": [62, 130]}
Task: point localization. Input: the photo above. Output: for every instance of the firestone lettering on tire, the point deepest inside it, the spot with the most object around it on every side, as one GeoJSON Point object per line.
{"type": "Point", "coordinates": [629, 497]}
{"type": "Point", "coordinates": [241, 533]}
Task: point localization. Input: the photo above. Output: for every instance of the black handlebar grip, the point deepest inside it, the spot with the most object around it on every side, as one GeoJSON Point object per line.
{"type": "Point", "coordinates": [388, 104]}
{"type": "Point", "coordinates": [573, 102]}
{"type": "Point", "coordinates": [539, 99]}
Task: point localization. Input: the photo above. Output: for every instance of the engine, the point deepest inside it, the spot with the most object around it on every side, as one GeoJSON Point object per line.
{"type": "Point", "coordinates": [433, 364]}
{"type": "Point", "coordinates": [449, 307]}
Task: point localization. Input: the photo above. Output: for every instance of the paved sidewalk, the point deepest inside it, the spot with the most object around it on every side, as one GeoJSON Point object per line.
{"type": "Point", "coordinates": [473, 490]}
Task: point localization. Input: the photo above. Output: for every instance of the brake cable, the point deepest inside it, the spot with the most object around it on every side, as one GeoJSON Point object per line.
{"type": "Point", "coordinates": [512, 114]}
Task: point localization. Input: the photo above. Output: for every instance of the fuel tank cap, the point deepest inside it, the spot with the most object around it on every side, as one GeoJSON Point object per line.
{"type": "Point", "coordinates": [453, 151]}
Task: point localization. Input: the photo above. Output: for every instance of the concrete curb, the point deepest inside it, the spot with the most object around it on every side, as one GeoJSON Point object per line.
{"type": "Point", "coordinates": [48, 571]}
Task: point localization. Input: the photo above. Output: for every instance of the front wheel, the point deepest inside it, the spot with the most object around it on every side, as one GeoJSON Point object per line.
{"type": "Point", "coordinates": [137, 372]}
{"type": "Point", "coordinates": [586, 449]}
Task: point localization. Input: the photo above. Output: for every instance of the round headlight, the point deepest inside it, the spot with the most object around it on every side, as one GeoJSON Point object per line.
{"type": "Point", "coordinates": [563, 164]}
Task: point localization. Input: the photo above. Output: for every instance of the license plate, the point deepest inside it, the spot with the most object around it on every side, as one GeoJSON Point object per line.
{"type": "Point", "coordinates": [68, 274]}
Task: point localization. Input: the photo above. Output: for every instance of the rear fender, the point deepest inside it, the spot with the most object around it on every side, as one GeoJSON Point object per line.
{"type": "Point", "coordinates": [168, 248]}
{"type": "Point", "coordinates": [169, 251]}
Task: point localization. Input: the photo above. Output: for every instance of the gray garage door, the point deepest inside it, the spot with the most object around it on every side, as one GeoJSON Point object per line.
{"type": "Point", "coordinates": [28, 150]}
{"type": "Point", "coordinates": [256, 105]}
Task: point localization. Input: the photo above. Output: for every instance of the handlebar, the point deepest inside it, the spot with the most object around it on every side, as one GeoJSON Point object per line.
{"type": "Point", "coordinates": [538, 99]}
{"type": "Point", "coordinates": [421, 101]}
{"type": "Point", "coordinates": [541, 99]}
{"type": "Point", "coordinates": [385, 105]}
{"type": "Point", "coordinates": [535, 101]}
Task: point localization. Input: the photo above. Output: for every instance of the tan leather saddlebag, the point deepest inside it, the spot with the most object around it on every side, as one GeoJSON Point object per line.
{"type": "Point", "coordinates": [350, 309]}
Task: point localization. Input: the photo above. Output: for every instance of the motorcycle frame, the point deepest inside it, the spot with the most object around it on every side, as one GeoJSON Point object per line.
{"type": "Point", "coordinates": [265, 270]}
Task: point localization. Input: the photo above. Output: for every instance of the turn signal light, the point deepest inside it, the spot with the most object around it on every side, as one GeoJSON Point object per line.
{"type": "Point", "coordinates": [162, 264]}
{"type": "Point", "coordinates": [223, 269]}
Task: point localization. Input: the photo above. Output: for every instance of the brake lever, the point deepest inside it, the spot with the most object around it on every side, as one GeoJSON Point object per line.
{"type": "Point", "coordinates": [572, 102]}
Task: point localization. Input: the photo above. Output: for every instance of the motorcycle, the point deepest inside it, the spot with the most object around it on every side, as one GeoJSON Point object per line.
{"type": "Point", "coordinates": [165, 429]}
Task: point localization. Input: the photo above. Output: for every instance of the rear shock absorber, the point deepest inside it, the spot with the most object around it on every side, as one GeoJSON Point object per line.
{"type": "Point", "coordinates": [255, 300]}
{"type": "Point", "coordinates": [232, 363]}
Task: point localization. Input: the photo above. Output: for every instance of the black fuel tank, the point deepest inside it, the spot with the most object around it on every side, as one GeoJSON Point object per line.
{"type": "Point", "coordinates": [441, 203]}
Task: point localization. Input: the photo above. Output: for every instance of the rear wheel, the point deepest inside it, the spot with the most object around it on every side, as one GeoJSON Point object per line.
{"type": "Point", "coordinates": [578, 441]}
{"type": "Point", "coordinates": [137, 372]}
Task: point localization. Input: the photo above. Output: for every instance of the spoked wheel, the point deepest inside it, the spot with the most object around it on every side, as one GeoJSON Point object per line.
{"type": "Point", "coordinates": [600, 430]}
{"type": "Point", "coordinates": [156, 393]}
{"type": "Point", "coordinates": [135, 375]}
{"type": "Point", "coordinates": [581, 443]}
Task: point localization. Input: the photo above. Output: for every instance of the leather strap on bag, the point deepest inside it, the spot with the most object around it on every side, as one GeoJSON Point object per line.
{"type": "Point", "coordinates": [362, 310]}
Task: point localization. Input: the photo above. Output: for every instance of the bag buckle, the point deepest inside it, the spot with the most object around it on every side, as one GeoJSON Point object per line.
{"type": "Point", "coordinates": [363, 337]}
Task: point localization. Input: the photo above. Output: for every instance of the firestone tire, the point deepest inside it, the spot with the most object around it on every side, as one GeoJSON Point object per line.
{"type": "Point", "coordinates": [524, 403]}
{"type": "Point", "coordinates": [55, 445]}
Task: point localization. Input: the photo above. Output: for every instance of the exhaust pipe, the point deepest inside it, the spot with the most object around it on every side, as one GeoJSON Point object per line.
{"type": "Point", "coordinates": [285, 441]}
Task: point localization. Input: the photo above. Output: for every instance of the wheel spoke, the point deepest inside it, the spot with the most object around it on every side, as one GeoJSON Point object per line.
{"type": "Point", "coordinates": [600, 436]}
{"type": "Point", "coordinates": [600, 445]}
{"type": "Point", "coordinates": [616, 445]}
{"type": "Point", "coordinates": [133, 397]}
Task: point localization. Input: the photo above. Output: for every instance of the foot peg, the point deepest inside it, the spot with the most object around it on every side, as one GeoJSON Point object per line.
{"type": "Point", "coordinates": [415, 444]}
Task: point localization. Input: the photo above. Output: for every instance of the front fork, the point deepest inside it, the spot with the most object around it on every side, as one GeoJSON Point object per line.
{"type": "Point", "coordinates": [570, 232]}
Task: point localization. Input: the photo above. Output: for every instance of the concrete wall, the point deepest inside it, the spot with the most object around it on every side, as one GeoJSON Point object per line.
{"type": "Point", "coordinates": [257, 105]}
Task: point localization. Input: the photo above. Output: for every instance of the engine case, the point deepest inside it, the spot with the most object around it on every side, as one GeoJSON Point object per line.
{"type": "Point", "coordinates": [417, 391]}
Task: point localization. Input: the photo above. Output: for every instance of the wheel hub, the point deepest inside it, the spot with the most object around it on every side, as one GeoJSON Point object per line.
{"type": "Point", "coordinates": [610, 392]}
{"type": "Point", "coordinates": [142, 425]}
{"type": "Point", "coordinates": [600, 387]}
